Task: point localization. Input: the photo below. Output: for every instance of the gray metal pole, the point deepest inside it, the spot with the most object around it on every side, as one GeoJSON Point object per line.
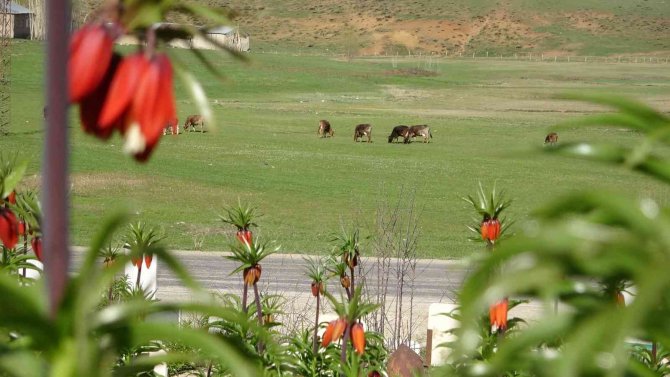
{"type": "Point", "coordinates": [55, 224]}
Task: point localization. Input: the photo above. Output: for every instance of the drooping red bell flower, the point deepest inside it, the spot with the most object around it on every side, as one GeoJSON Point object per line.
{"type": "Point", "coordinates": [147, 259]}
{"type": "Point", "coordinates": [358, 338]}
{"type": "Point", "coordinates": [137, 262]}
{"type": "Point", "coordinates": [91, 105]}
{"type": "Point", "coordinates": [11, 198]}
{"type": "Point", "coordinates": [90, 55]}
{"type": "Point", "coordinates": [490, 230]}
{"type": "Point", "coordinates": [22, 228]}
{"type": "Point", "coordinates": [244, 235]}
{"type": "Point", "coordinates": [498, 314]}
{"type": "Point", "coordinates": [333, 332]}
{"type": "Point", "coordinates": [36, 243]}
{"type": "Point", "coordinates": [317, 288]}
{"type": "Point", "coordinates": [374, 373]}
{"type": "Point", "coordinates": [122, 89]}
{"type": "Point", "coordinates": [153, 106]}
{"type": "Point", "coordinates": [252, 274]}
{"type": "Point", "coordinates": [9, 228]}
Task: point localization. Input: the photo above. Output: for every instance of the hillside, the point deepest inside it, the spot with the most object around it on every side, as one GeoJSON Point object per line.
{"type": "Point", "coordinates": [588, 27]}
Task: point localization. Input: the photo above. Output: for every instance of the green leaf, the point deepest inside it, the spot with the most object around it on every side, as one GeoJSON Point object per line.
{"type": "Point", "coordinates": [210, 346]}
{"type": "Point", "coordinates": [21, 364]}
{"type": "Point", "coordinates": [13, 178]}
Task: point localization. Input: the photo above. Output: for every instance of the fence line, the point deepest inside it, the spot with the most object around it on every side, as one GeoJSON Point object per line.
{"type": "Point", "coordinates": [488, 56]}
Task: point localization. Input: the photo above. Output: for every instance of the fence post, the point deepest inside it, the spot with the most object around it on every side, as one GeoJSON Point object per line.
{"type": "Point", "coordinates": [487, 54]}
{"type": "Point", "coordinates": [555, 58]}
{"type": "Point", "coordinates": [473, 55]}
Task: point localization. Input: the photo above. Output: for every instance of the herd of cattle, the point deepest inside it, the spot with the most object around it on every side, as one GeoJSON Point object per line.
{"type": "Point", "coordinates": [362, 131]}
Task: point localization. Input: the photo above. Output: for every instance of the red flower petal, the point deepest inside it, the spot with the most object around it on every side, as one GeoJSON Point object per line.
{"type": "Point", "coordinates": [36, 243]}
{"type": "Point", "coordinates": [9, 228]}
{"type": "Point", "coordinates": [122, 88]}
{"type": "Point", "coordinates": [358, 338]}
{"type": "Point", "coordinates": [90, 55]}
{"type": "Point", "coordinates": [91, 105]}
{"type": "Point", "coordinates": [328, 334]}
{"type": "Point", "coordinates": [147, 259]}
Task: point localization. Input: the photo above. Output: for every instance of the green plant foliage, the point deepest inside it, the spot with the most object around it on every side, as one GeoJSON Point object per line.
{"type": "Point", "coordinates": [241, 216]}
{"type": "Point", "coordinates": [84, 340]}
{"type": "Point", "coordinates": [577, 251]}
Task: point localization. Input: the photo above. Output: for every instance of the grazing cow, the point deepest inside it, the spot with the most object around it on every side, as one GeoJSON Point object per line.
{"type": "Point", "coordinates": [325, 129]}
{"type": "Point", "coordinates": [552, 138]}
{"type": "Point", "coordinates": [172, 127]}
{"type": "Point", "coordinates": [363, 130]}
{"type": "Point", "coordinates": [397, 132]}
{"type": "Point", "coordinates": [192, 121]}
{"type": "Point", "coordinates": [419, 130]}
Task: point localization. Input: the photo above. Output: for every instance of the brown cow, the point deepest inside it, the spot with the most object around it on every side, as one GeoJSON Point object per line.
{"type": "Point", "coordinates": [552, 138]}
{"type": "Point", "coordinates": [363, 130]}
{"type": "Point", "coordinates": [397, 132]}
{"type": "Point", "coordinates": [419, 130]}
{"type": "Point", "coordinates": [172, 127]}
{"type": "Point", "coordinates": [192, 121]}
{"type": "Point", "coordinates": [325, 129]}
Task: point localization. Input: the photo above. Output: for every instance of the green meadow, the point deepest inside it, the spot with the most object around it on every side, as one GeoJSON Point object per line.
{"type": "Point", "coordinates": [488, 119]}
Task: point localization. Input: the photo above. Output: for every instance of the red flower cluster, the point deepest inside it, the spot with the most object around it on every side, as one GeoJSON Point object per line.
{"type": "Point", "coordinates": [137, 262]}
{"type": "Point", "coordinates": [131, 94]}
{"type": "Point", "coordinates": [252, 274]}
{"type": "Point", "coordinates": [498, 314]}
{"type": "Point", "coordinates": [490, 230]}
{"type": "Point", "coordinates": [334, 331]}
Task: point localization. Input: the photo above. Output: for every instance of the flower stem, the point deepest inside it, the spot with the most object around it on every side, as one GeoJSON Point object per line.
{"type": "Point", "coordinates": [316, 324]}
{"type": "Point", "coordinates": [259, 313]}
{"type": "Point", "coordinates": [244, 297]}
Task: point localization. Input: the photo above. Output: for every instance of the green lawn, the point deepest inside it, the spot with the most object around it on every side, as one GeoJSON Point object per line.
{"type": "Point", "coordinates": [488, 119]}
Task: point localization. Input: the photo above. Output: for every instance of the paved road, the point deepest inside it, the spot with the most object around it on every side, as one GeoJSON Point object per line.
{"type": "Point", "coordinates": [434, 281]}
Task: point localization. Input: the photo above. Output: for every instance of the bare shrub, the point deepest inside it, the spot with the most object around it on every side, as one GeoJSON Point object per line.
{"type": "Point", "coordinates": [392, 269]}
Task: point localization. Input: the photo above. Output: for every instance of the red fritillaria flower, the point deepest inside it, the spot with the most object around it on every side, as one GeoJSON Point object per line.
{"type": "Point", "coordinates": [358, 338]}
{"type": "Point", "coordinates": [151, 109]}
{"type": "Point", "coordinates": [22, 228]}
{"type": "Point", "coordinates": [36, 243]}
{"type": "Point", "coordinates": [137, 262]}
{"type": "Point", "coordinates": [244, 236]}
{"type": "Point", "coordinates": [374, 373]}
{"type": "Point", "coordinates": [90, 55]}
{"type": "Point", "coordinates": [147, 259]}
{"type": "Point", "coordinates": [12, 197]}
{"type": "Point", "coordinates": [317, 288]}
{"type": "Point", "coordinates": [9, 228]}
{"type": "Point", "coordinates": [490, 230]}
{"type": "Point", "coordinates": [90, 109]}
{"type": "Point", "coordinates": [498, 314]}
{"type": "Point", "coordinates": [252, 274]}
{"type": "Point", "coordinates": [334, 331]}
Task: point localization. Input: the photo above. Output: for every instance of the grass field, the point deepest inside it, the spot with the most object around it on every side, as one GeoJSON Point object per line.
{"type": "Point", "coordinates": [488, 119]}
